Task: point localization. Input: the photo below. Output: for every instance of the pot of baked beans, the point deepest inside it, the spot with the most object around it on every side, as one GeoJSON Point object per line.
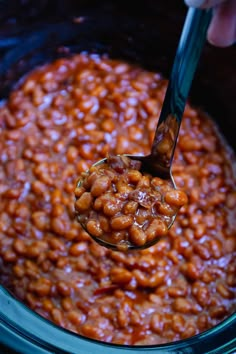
{"type": "Point", "coordinates": [80, 81]}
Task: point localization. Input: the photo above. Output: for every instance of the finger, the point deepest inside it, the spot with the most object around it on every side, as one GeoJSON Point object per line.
{"type": "Point", "coordinates": [203, 3]}
{"type": "Point", "coordinates": [222, 30]}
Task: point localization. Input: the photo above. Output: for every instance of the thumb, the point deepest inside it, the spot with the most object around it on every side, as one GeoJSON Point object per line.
{"type": "Point", "coordinates": [203, 3]}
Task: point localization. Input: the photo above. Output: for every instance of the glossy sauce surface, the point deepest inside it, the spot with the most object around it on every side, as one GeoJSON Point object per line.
{"type": "Point", "coordinates": [64, 117]}
{"type": "Point", "coordinates": [122, 206]}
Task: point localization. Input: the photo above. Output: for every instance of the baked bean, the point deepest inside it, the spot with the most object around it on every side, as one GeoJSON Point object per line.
{"type": "Point", "coordinates": [157, 279]}
{"type": "Point", "coordinates": [144, 182]}
{"type": "Point", "coordinates": [100, 186]}
{"type": "Point", "coordinates": [217, 311]}
{"type": "Point", "coordinates": [94, 228]}
{"type": "Point", "coordinates": [137, 235]}
{"type": "Point", "coordinates": [191, 271]}
{"type": "Point", "coordinates": [182, 305]}
{"type": "Point", "coordinates": [77, 248]}
{"type": "Point", "coordinates": [203, 251]}
{"type": "Point", "coordinates": [178, 323]}
{"type": "Point", "coordinates": [47, 305]}
{"type": "Point", "coordinates": [104, 224]}
{"type": "Point", "coordinates": [56, 244]}
{"type": "Point", "coordinates": [176, 198]}
{"type": "Point", "coordinates": [156, 228]}
{"type": "Point", "coordinates": [215, 247]}
{"type": "Point", "coordinates": [19, 246]}
{"type": "Point", "coordinates": [10, 256]}
{"type": "Point", "coordinates": [141, 278]}
{"type": "Point", "coordinates": [18, 271]}
{"type": "Point", "coordinates": [32, 300]}
{"type": "Point", "coordinates": [92, 107]}
{"type": "Point", "coordinates": [173, 256]}
{"type": "Point", "coordinates": [111, 207]}
{"type": "Point", "coordinates": [199, 231]}
{"type": "Point", "coordinates": [122, 318]}
{"type": "Point", "coordinates": [123, 188]}
{"type": "Point", "coordinates": [203, 296]}
{"type": "Point", "coordinates": [130, 208]}
{"type": "Point", "coordinates": [84, 202]}
{"type": "Point", "coordinates": [202, 322]}
{"type": "Point", "coordinates": [75, 317]}
{"type": "Point", "coordinates": [165, 210]}
{"type": "Point", "coordinates": [79, 191]}
{"type": "Point", "coordinates": [61, 262]}
{"type": "Point", "coordinates": [33, 251]}
{"type": "Point", "coordinates": [120, 275]}
{"type": "Point", "coordinates": [177, 291]}
{"type": "Point", "coordinates": [157, 323]}
{"type": "Point", "coordinates": [57, 316]}
{"type": "Point", "coordinates": [121, 222]}
{"type": "Point", "coordinates": [224, 291]}
{"type": "Point", "coordinates": [89, 330]}
{"type": "Point", "coordinates": [58, 225]}
{"type": "Point", "coordinates": [134, 176]}
{"type": "Point", "coordinates": [41, 287]}
{"type": "Point", "coordinates": [63, 288]}
{"type": "Point", "coordinates": [146, 262]}
{"type": "Point", "coordinates": [189, 332]}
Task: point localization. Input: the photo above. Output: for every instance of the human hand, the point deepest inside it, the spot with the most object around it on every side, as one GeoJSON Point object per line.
{"type": "Point", "coordinates": [222, 29]}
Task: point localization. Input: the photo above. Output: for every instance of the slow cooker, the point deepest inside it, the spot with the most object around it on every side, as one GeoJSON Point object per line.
{"type": "Point", "coordinates": [146, 33]}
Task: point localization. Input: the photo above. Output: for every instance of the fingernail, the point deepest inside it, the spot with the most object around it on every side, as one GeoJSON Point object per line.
{"type": "Point", "coordinates": [194, 3]}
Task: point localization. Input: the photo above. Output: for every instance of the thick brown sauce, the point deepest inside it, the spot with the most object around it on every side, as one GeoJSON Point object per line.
{"type": "Point", "coordinates": [64, 117]}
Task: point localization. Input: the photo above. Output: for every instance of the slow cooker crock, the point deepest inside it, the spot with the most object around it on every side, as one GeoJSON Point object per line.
{"type": "Point", "coordinates": [148, 35]}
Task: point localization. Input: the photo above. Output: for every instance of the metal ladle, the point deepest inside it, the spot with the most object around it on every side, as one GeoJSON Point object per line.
{"type": "Point", "coordinates": [159, 162]}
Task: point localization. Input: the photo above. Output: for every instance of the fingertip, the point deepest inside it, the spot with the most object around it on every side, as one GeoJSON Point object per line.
{"type": "Point", "coordinates": [204, 4]}
{"type": "Point", "coordinates": [219, 39]}
{"type": "Point", "coordinates": [194, 3]}
{"type": "Point", "coordinates": [222, 30]}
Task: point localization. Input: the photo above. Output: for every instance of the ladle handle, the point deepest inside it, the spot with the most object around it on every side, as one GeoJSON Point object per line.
{"type": "Point", "coordinates": [190, 46]}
